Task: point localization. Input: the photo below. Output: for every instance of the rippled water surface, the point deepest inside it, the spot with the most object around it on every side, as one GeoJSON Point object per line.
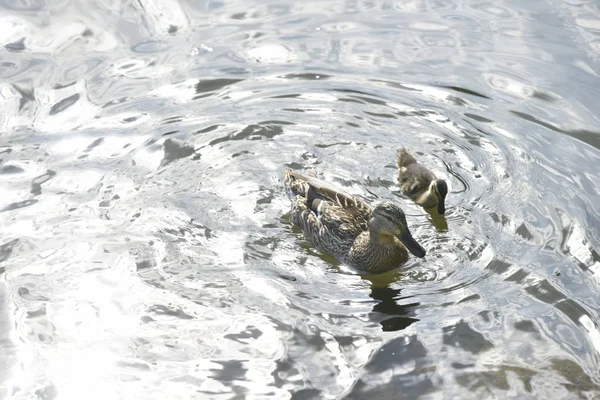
{"type": "Point", "coordinates": [146, 246]}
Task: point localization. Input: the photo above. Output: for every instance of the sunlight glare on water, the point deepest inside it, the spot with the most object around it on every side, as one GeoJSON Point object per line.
{"type": "Point", "coordinates": [146, 242]}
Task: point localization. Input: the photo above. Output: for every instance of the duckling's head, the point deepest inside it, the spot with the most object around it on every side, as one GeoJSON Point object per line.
{"type": "Point", "coordinates": [388, 220]}
{"type": "Point", "coordinates": [439, 189]}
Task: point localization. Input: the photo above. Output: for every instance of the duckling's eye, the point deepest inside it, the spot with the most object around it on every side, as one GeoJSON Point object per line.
{"type": "Point", "coordinates": [388, 217]}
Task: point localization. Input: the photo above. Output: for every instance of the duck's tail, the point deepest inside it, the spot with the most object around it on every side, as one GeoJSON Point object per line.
{"type": "Point", "coordinates": [404, 158]}
{"type": "Point", "coordinates": [294, 186]}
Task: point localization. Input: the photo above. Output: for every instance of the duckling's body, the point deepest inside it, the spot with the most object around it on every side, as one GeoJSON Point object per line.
{"type": "Point", "coordinates": [419, 183]}
{"type": "Point", "coordinates": [349, 229]}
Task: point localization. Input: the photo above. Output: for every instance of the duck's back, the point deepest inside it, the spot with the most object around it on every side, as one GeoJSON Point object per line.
{"type": "Point", "coordinates": [329, 218]}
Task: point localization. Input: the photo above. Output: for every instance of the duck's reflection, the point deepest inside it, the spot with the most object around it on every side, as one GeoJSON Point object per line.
{"type": "Point", "coordinates": [437, 220]}
{"type": "Point", "coordinates": [392, 311]}
{"type": "Point", "coordinates": [392, 315]}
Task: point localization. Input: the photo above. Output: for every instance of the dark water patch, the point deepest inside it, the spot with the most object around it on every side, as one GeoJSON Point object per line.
{"type": "Point", "coordinates": [380, 115]}
{"type": "Point", "coordinates": [174, 150]}
{"type": "Point", "coordinates": [286, 96]}
{"type": "Point", "coordinates": [62, 85]}
{"type": "Point", "coordinates": [590, 137]}
{"type": "Point", "coordinates": [399, 351]}
{"type": "Point", "coordinates": [161, 310]}
{"type": "Point", "coordinates": [94, 144]}
{"type": "Point", "coordinates": [266, 129]}
{"type": "Point", "coordinates": [463, 336]}
{"type": "Point", "coordinates": [492, 383]}
{"type": "Point", "coordinates": [467, 91]}
{"type": "Point", "coordinates": [396, 85]}
{"type": "Point", "coordinates": [211, 85]}
{"type": "Point", "coordinates": [40, 312]}
{"type": "Point", "coordinates": [48, 392]}
{"type": "Point", "coordinates": [526, 326]}
{"type": "Point", "coordinates": [458, 365]}
{"type": "Point", "coordinates": [298, 110]}
{"type": "Point", "coordinates": [16, 46]}
{"type": "Point", "coordinates": [498, 266]}
{"type": "Point", "coordinates": [544, 96]}
{"type": "Point", "coordinates": [250, 332]}
{"type": "Point", "coordinates": [134, 365]}
{"type": "Point", "coordinates": [396, 355]}
{"type": "Point", "coordinates": [478, 118]}
{"type": "Point", "coordinates": [231, 370]}
{"type": "Point", "coordinates": [362, 96]}
{"type": "Point", "coordinates": [572, 310]}
{"type": "Point", "coordinates": [524, 232]}
{"type": "Point", "coordinates": [36, 184]}
{"type": "Point", "coordinates": [19, 204]}
{"type": "Point", "coordinates": [173, 120]}
{"type": "Point", "coordinates": [7, 248]}
{"type": "Point", "coordinates": [518, 276]}
{"type": "Point", "coordinates": [306, 76]}
{"type": "Point", "coordinates": [10, 169]}
{"type": "Point", "coordinates": [26, 294]}
{"type": "Point", "coordinates": [144, 264]}
{"type": "Point", "coordinates": [208, 129]}
{"type": "Point", "coordinates": [24, 5]}
{"type": "Point", "coordinates": [545, 291]}
{"type": "Point", "coordinates": [63, 104]}
{"type": "Point", "coordinates": [306, 394]}
{"type": "Point", "coordinates": [350, 100]}
{"type": "Point", "coordinates": [472, 297]}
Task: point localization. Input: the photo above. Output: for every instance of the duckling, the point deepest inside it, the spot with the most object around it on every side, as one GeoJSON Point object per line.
{"type": "Point", "coordinates": [372, 239]}
{"type": "Point", "coordinates": [419, 183]}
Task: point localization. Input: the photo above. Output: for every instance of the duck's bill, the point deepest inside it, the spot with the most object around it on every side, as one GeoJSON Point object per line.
{"type": "Point", "coordinates": [441, 207]}
{"type": "Point", "coordinates": [411, 244]}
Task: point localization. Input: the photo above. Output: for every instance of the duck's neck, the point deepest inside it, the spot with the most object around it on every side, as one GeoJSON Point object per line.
{"type": "Point", "coordinates": [379, 252]}
{"type": "Point", "coordinates": [378, 239]}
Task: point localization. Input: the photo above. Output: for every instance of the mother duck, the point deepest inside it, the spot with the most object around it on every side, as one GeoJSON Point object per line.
{"type": "Point", "coordinates": [370, 239]}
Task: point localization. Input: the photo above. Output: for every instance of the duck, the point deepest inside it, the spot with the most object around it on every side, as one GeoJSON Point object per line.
{"type": "Point", "coordinates": [374, 239]}
{"type": "Point", "coordinates": [419, 183]}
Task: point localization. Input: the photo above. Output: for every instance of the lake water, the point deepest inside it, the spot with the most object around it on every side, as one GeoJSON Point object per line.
{"type": "Point", "coordinates": [146, 246]}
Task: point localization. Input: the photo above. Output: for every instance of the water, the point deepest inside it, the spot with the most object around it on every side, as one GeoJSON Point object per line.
{"type": "Point", "coordinates": [146, 248]}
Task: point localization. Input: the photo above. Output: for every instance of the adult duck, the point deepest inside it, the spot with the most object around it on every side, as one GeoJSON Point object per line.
{"type": "Point", "coordinates": [372, 239]}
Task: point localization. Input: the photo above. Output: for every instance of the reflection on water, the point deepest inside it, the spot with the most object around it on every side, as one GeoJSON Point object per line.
{"type": "Point", "coordinates": [146, 248]}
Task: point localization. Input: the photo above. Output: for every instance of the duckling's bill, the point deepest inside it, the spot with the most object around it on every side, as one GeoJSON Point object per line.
{"type": "Point", "coordinates": [441, 207]}
{"type": "Point", "coordinates": [441, 189]}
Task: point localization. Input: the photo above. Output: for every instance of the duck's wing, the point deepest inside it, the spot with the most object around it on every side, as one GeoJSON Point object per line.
{"type": "Point", "coordinates": [329, 217]}
{"type": "Point", "coordinates": [320, 194]}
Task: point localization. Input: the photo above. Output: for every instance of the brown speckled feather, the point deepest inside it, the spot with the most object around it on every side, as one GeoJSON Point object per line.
{"type": "Point", "coordinates": [340, 219]}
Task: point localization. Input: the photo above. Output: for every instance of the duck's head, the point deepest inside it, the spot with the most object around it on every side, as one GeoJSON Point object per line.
{"type": "Point", "coordinates": [388, 220]}
{"type": "Point", "coordinates": [439, 190]}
